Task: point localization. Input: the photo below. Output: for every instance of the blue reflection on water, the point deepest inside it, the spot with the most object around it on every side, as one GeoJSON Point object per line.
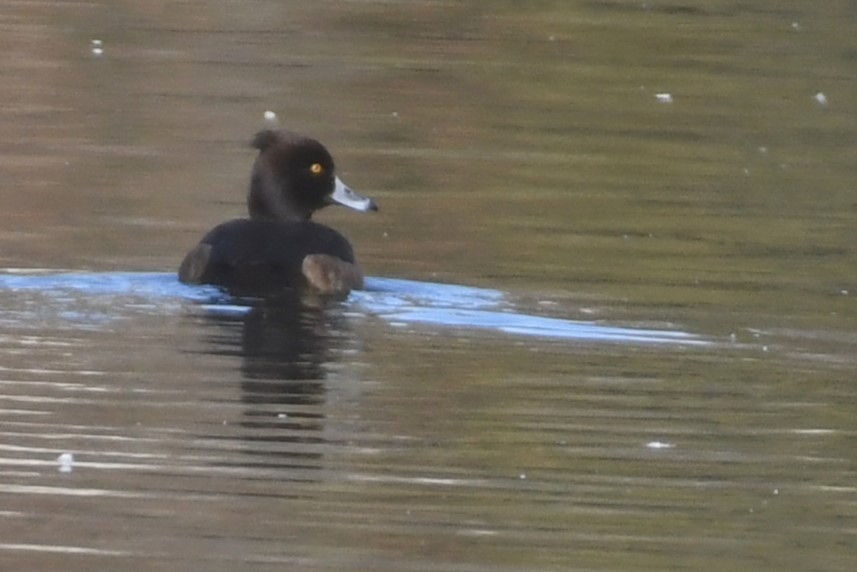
{"type": "Point", "coordinates": [146, 285]}
{"type": "Point", "coordinates": [406, 301]}
{"type": "Point", "coordinates": [96, 298]}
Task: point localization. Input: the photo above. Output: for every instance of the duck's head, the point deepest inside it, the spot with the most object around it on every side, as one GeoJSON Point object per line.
{"type": "Point", "coordinates": [294, 176]}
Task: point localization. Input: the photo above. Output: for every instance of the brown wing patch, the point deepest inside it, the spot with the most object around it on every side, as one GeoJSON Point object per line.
{"type": "Point", "coordinates": [194, 264]}
{"type": "Point", "coordinates": [331, 276]}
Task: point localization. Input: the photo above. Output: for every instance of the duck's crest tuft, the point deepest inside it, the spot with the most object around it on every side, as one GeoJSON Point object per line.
{"type": "Point", "coordinates": [264, 139]}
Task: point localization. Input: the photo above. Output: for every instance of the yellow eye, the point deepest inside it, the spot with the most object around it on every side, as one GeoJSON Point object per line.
{"type": "Point", "coordinates": [316, 169]}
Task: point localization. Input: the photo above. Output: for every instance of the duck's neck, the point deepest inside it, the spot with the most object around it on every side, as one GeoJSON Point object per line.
{"type": "Point", "coordinates": [265, 203]}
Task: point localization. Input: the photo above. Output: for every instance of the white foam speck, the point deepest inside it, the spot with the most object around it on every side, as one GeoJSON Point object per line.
{"type": "Point", "coordinates": [659, 445]}
{"type": "Point", "coordinates": [66, 462]}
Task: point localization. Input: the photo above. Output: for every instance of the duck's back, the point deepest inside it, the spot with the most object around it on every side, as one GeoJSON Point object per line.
{"type": "Point", "coordinates": [258, 256]}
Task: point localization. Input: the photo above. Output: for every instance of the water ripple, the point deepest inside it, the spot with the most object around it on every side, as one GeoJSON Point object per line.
{"type": "Point", "coordinates": [94, 299]}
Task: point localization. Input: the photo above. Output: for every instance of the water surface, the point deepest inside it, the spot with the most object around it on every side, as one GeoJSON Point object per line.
{"type": "Point", "coordinates": [611, 321]}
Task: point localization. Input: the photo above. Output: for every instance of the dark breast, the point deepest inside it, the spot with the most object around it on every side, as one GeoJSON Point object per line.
{"type": "Point", "coordinates": [256, 257]}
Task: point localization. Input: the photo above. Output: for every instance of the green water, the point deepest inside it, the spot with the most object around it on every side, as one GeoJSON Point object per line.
{"type": "Point", "coordinates": [519, 146]}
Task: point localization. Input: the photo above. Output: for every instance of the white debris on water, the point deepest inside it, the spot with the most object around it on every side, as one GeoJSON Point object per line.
{"type": "Point", "coordinates": [97, 47]}
{"type": "Point", "coordinates": [820, 98]}
{"type": "Point", "coordinates": [664, 97]}
{"type": "Point", "coordinates": [66, 462]}
{"type": "Point", "coordinates": [659, 445]}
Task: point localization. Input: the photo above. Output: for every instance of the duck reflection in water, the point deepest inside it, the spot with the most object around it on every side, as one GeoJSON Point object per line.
{"type": "Point", "coordinates": [285, 347]}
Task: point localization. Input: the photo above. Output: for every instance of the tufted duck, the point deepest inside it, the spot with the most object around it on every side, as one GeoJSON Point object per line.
{"type": "Point", "coordinates": [279, 248]}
